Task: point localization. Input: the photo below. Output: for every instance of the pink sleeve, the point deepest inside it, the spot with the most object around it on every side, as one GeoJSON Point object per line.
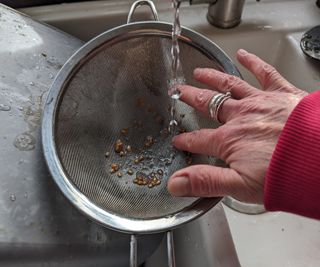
{"type": "Point", "coordinates": [292, 182]}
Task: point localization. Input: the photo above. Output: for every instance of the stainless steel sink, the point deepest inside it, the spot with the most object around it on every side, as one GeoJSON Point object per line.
{"type": "Point", "coordinates": [38, 226]}
{"type": "Point", "coordinates": [271, 29]}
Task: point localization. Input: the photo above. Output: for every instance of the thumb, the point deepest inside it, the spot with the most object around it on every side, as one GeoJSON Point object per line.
{"type": "Point", "coordinates": [205, 181]}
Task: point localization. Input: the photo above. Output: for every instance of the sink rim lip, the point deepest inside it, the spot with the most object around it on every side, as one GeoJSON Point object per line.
{"type": "Point", "coordinates": [73, 194]}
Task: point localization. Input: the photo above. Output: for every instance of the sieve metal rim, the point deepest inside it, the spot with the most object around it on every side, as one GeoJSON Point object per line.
{"type": "Point", "coordinates": [79, 200]}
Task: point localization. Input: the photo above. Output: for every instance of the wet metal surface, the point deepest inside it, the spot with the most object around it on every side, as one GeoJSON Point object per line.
{"type": "Point", "coordinates": [38, 226]}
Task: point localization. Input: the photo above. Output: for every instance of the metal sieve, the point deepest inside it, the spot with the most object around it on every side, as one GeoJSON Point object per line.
{"type": "Point", "coordinates": [115, 87]}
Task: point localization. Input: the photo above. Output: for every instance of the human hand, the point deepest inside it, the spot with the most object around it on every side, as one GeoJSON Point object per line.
{"type": "Point", "coordinates": [253, 120]}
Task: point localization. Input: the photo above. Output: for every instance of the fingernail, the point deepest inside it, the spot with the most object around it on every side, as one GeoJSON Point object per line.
{"type": "Point", "coordinates": [197, 72]}
{"type": "Point", "coordinates": [179, 186]}
{"type": "Point", "coordinates": [242, 52]}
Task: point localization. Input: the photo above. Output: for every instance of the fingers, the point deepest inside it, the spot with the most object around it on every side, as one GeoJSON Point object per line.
{"type": "Point", "coordinates": [268, 76]}
{"type": "Point", "coordinates": [224, 82]}
{"type": "Point", "coordinates": [200, 99]}
{"type": "Point", "coordinates": [204, 141]}
{"type": "Point", "coordinates": [205, 181]}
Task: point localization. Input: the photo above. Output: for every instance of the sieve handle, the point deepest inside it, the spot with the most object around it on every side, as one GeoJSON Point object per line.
{"type": "Point", "coordinates": [133, 251]}
{"type": "Point", "coordinates": [142, 3]}
{"type": "Point", "coordinates": [170, 248]}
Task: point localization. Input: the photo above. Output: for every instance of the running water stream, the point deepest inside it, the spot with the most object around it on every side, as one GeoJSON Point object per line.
{"type": "Point", "coordinates": [176, 73]}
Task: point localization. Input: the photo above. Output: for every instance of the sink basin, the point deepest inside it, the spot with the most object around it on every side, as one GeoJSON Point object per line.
{"type": "Point", "coordinates": [272, 30]}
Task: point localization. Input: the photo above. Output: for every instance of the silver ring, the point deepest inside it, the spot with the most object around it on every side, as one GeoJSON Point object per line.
{"type": "Point", "coordinates": [216, 103]}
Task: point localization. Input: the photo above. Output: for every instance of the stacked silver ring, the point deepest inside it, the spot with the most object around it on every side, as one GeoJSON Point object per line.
{"type": "Point", "coordinates": [216, 103]}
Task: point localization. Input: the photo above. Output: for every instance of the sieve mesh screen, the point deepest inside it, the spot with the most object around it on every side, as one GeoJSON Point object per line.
{"type": "Point", "coordinates": [124, 85]}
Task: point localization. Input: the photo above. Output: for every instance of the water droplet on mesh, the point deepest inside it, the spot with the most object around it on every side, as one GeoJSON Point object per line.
{"type": "Point", "coordinates": [173, 122]}
{"type": "Point", "coordinates": [172, 125]}
{"type": "Point", "coordinates": [31, 83]}
{"type": "Point", "coordinates": [51, 76]}
{"type": "Point", "coordinates": [12, 197]}
{"type": "Point", "coordinates": [25, 195]}
{"type": "Point", "coordinates": [37, 68]}
{"type": "Point", "coordinates": [4, 107]}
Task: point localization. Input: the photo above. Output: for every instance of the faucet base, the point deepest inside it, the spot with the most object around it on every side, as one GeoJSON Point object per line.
{"type": "Point", "coordinates": [225, 13]}
{"type": "Point", "coordinates": [222, 24]}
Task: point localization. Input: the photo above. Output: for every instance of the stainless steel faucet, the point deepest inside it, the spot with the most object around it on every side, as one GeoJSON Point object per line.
{"type": "Point", "coordinates": [222, 13]}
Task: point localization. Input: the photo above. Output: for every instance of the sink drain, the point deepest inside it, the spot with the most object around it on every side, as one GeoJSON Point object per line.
{"type": "Point", "coordinates": [310, 43]}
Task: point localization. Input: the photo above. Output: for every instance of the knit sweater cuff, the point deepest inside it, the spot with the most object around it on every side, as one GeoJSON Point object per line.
{"type": "Point", "coordinates": [292, 182]}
